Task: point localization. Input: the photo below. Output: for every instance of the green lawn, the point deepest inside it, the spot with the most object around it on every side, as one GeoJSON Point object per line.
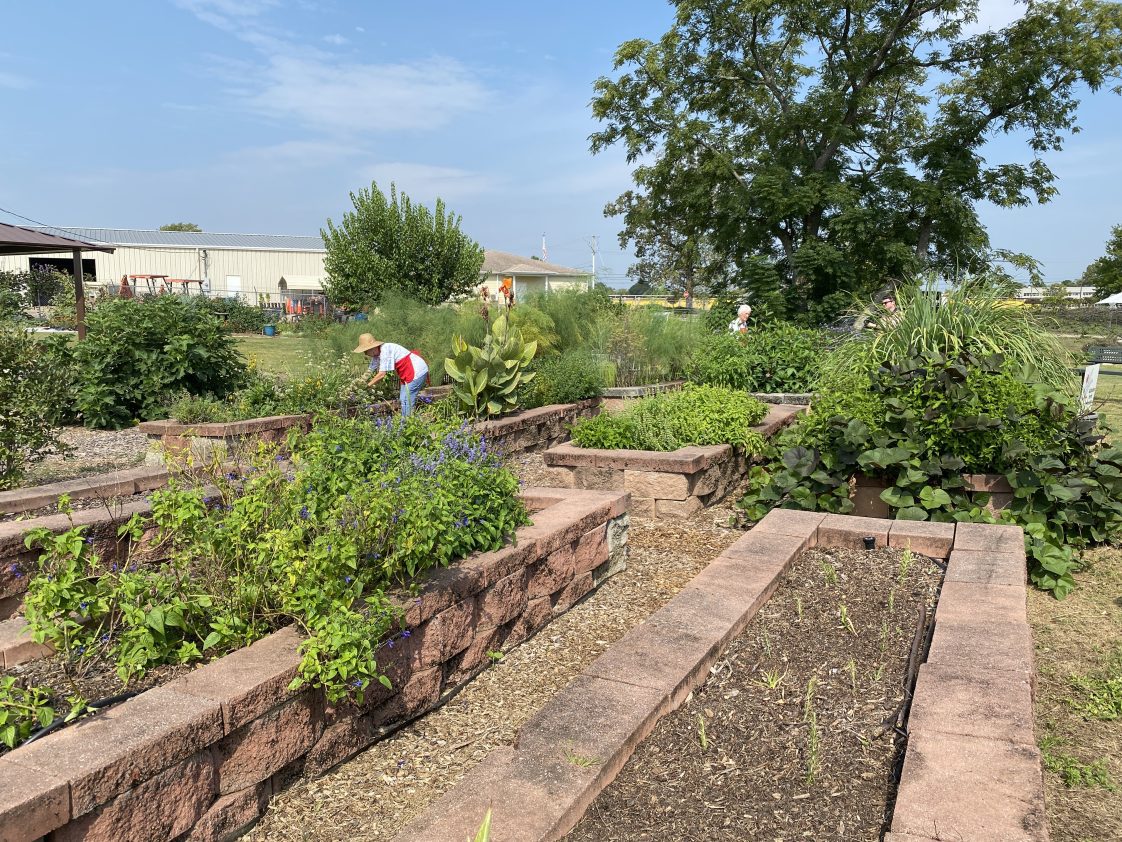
{"type": "Point", "coordinates": [290, 356]}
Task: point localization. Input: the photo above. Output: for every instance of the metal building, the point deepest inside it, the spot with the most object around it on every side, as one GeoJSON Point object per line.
{"type": "Point", "coordinates": [258, 267]}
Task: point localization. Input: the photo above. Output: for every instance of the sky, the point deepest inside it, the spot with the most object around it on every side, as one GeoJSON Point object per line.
{"type": "Point", "coordinates": [260, 116]}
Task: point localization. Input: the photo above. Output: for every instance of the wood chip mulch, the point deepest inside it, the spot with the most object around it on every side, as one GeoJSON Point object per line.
{"type": "Point", "coordinates": [374, 795]}
{"type": "Point", "coordinates": [792, 735]}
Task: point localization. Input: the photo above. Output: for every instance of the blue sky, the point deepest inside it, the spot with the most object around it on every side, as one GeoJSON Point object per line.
{"type": "Point", "coordinates": [261, 116]}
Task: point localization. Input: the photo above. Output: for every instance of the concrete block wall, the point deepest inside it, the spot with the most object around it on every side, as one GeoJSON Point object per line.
{"type": "Point", "coordinates": [200, 757]}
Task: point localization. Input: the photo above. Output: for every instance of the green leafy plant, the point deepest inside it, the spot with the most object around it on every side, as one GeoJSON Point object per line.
{"type": "Point", "coordinates": [778, 357]}
{"type": "Point", "coordinates": [485, 380]}
{"type": "Point", "coordinates": [369, 504]}
{"type": "Point", "coordinates": [1072, 771]}
{"type": "Point", "coordinates": [22, 710]}
{"type": "Point", "coordinates": [28, 429]}
{"type": "Point", "coordinates": [564, 378]}
{"type": "Point", "coordinates": [138, 353]}
{"type": "Point", "coordinates": [695, 415]}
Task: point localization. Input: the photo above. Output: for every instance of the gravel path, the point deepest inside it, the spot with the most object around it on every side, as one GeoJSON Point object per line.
{"type": "Point", "coordinates": [91, 452]}
{"type": "Point", "coordinates": [372, 796]}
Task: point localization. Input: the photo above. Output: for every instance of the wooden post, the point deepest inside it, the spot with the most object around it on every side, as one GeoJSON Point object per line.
{"type": "Point", "coordinates": [79, 295]}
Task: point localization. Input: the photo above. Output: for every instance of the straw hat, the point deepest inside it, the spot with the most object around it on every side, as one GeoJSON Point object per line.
{"type": "Point", "coordinates": [367, 342]}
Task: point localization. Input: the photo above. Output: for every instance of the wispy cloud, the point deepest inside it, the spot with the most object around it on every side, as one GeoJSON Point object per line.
{"type": "Point", "coordinates": [320, 91]}
{"type": "Point", "coordinates": [423, 181]}
{"type": "Point", "coordinates": [14, 82]}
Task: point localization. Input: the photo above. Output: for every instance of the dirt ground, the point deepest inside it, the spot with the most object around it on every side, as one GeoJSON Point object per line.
{"type": "Point", "coordinates": [91, 452]}
{"type": "Point", "coordinates": [792, 735]}
{"type": "Point", "coordinates": [1079, 701]}
{"type": "Point", "coordinates": [372, 796]}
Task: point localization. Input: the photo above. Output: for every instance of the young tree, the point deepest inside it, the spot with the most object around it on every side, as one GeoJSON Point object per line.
{"type": "Point", "coordinates": [182, 226]}
{"type": "Point", "coordinates": [1105, 274]}
{"type": "Point", "coordinates": [386, 244]}
{"type": "Point", "coordinates": [831, 146]}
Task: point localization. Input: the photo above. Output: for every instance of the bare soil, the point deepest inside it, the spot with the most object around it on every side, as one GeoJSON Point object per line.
{"type": "Point", "coordinates": [1078, 645]}
{"type": "Point", "coordinates": [793, 735]}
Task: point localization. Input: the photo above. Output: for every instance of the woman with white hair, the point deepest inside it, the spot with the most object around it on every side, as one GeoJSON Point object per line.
{"type": "Point", "coordinates": [740, 323]}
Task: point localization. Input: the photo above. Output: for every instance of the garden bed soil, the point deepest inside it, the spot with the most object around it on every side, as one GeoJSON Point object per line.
{"type": "Point", "coordinates": [758, 775]}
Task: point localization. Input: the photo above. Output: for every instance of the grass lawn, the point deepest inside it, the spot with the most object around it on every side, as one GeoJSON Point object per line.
{"type": "Point", "coordinates": [291, 356]}
{"type": "Point", "coordinates": [1078, 701]}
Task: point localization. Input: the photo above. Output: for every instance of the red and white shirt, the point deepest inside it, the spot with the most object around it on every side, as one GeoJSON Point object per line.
{"type": "Point", "coordinates": [409, 365]}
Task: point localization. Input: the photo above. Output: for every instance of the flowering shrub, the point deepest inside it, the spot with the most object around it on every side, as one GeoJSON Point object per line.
{"type": "Point", "coordinates": [362, 506]}
{"type": "Point", "coordinates": [667, 421]}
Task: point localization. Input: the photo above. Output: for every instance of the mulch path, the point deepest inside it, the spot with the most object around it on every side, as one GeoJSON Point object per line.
{"type": "Point", "coordinates": [372, 796]}
{"type": "Point", "coordinates": [90, 452]}
{"type": "Point", "coordinates": [792, 735]}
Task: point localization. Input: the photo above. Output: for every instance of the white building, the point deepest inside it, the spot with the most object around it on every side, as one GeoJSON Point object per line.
{"type": "Point", "coordinates": [1072, 293]}
{"type": "Point", "coordinates": [257, 267]}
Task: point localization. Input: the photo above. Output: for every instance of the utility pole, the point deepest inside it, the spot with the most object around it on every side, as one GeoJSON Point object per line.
{"type": "Point", "coordinates": [593, 282]}
{"type": "Point", "coordinates": [545, 254]}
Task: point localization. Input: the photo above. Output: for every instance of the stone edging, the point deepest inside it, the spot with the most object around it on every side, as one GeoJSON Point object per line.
{"type": "Point", "coordinates": [538, 790]}
{"type": "Point", "coordinates": [865, 493]}
{"type": "Point", "coordinates": [203, 754]}
{"type": "Point", "coordinates": [111, 484]}
{"type": "Point", "coordinates": [662, 484]}
{"type": "Point", "coordinates": [790, 398]}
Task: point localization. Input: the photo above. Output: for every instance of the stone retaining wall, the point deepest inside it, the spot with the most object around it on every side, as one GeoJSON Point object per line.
{"type": "Point", "coordinates": [615, 397]}
{"type": "Point", "coordinates": [111, 484]}
{"type": "Point", "coordinates": [663, 485]}
{"type": "Point", "coordinates": [971, 770]}
{"type": "Point", "coordinates": [200, 757]}
{"type": "Point", "coordinates": [865, 493]}
{"type": "Point", "coordinates": [536, 429]}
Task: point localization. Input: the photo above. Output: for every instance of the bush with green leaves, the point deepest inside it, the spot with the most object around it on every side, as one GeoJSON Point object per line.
{"type": "Point", "coordinates": [778, 357]}
{"type": "Point", "coordinates": [695, 415]}
{"type": "Point", "coordinates": [28, 431]}
{"type": "Point", "coordinates": [564, 378]}
{"type": "Point", "coordinates": [138, 354]}
{"type": "Point", "coordinates": [235, 315]}
{"type": "Point", "coordinates": [922, 424]}
{"type": "Point", "coordinates": [486, 380]}
{"type": "Point", "coordinates": [367, 506]}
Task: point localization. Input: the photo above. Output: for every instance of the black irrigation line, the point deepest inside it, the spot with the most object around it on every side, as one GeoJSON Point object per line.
{"type": "Point", "coordinates": [91, 708]}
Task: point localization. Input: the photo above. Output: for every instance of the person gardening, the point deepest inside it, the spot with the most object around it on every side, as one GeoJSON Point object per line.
{"type": "Point", "coordinates": [740, 323]}
{"type": "Point", "coordinates": [410, 366]}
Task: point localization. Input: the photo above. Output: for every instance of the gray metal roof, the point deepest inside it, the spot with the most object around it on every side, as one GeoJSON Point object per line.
{"type": "Point", "coordinates": [190, 239]}
{"type": "Point", "coordinates": [498, 262]}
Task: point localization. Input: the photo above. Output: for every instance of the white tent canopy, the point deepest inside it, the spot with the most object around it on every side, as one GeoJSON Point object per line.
{"type": "Point", "coordinates": [1112, 299]}
{"type": "Point", "coordinates": [306, 283]}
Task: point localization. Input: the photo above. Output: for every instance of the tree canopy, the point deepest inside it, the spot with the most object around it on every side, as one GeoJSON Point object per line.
{"type": "Point", "coordinates": [182, 226]}
{"type": "Point", "coordinates": [811, 149]}
{"type": "Point", "coordinates": [1105, 274]}
{"type": "Point", "coordinates": [392, 244]}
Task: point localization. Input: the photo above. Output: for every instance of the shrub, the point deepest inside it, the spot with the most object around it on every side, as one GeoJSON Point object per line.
{"type": "Point", "coordinates": [648, 345]}
{"type": "Point", "coordinates": [486, 380]}
{"type": "Point", "coordinates": [137, 353]}
{"type": "Point", "coordinates": [566, 378]}
{"type": "Point", "coordinates": [696, 415]}
{"type": "Point", "coordinates": [233, 314]}
{"type": "Point", "coordinates": [26, 433]}
{"type": "Point", "coordinates": [777, 358]}
{"type": "Point", "coordinates": [921, 425]}
{"type": "Point", "coordinates": [369, 504]}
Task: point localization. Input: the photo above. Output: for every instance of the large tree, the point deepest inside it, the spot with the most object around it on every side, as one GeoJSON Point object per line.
{"type": "Point", "coordinates": [389, 243]}
{"type": "Point", "coordinates": [1105, 274]}
{"type": "Point", "coordinates": [825, 147]}
{"type": "Point", "coordinates": [182, 226]}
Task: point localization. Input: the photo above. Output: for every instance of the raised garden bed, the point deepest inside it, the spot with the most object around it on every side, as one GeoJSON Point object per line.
{"type": "Point", "coordinates": [672, 484]}
{"type": "Point", "coordinates": [971, 770]}
{"type": "Point", "coordinates": [615, 397]}
{"type": "Point", "coordinates": [865, 493]}
{"type": "Point", "coordinates": [205, 752]}
{"type": "Point", "coordinates": [536, 429]}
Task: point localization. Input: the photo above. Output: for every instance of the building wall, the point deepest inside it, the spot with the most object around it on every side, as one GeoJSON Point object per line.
{"type": "Point", "coordinates": [260, 271]}
{"type": "Point", "coordinates": [531, 284]}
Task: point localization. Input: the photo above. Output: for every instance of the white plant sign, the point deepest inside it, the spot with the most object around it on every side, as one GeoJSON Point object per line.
{"type": "Point", "coordinates": [1090, 381]}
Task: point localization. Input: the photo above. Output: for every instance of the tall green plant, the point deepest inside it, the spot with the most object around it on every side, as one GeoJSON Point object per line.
{"type": "Point", "coordinates": [389, 243]}
{"type": "Point", "coordinates": [485, 380]}
{"type": "Point", "coordinates": [27, 433]}
{"type": "Point", "coordinates": [975, 316]}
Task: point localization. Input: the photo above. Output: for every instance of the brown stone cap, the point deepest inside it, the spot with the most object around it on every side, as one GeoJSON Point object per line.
{"type": "Point", "coordinates": [221, 430]}
{"type": "Point", "coordinates": [113, 484]}
{"type": "Point", "coordinates": [532, 417]}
